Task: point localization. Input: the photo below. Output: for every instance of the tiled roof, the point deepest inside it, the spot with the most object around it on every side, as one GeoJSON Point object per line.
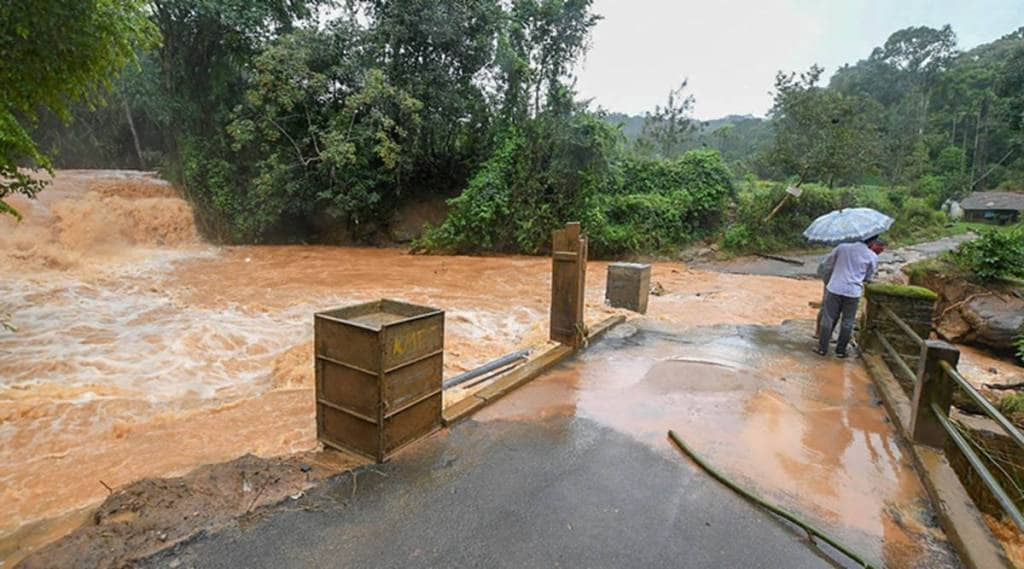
{"type": "Point", "coordinates": [993, 200]}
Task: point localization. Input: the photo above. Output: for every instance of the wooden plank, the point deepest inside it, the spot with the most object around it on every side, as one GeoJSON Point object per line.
{"type": "Point", "coordinates": [603, 326]}
{"type": "Point", "coordinates": [509, 380]}
{"type": "Point", "coordinates": [524, 373]}
{"type": "Point", "coordinates": [568, 283]}
{"type": "Point", "coordinates": [462, 409]}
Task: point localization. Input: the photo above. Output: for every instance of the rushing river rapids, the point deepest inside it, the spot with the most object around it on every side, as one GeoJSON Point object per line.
{"type": "Point", "coordinates": [140, 351]}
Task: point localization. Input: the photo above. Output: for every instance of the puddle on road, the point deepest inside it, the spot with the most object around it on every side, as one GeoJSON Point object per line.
{"type": "Point", "coordinates": [805, 432]}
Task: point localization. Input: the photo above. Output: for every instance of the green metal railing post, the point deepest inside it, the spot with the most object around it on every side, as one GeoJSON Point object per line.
{"type": "Point", "coordinates": [932, 387]}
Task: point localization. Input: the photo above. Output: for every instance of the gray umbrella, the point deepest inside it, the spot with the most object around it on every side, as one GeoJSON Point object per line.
{"type": "Point", "coordinates": [846, 225]}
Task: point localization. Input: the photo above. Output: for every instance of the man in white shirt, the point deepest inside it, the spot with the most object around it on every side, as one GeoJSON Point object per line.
{"type": "Point", "coordinates": [850, 265]}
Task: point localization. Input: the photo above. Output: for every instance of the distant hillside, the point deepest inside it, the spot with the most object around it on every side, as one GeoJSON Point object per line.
{"type": "Point", "coordinates": [632, 125]}
{"type": "Point", "coordinates": [740, 138]}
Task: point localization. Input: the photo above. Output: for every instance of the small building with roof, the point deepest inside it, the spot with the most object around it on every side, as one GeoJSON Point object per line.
{"type": "Point", "coordinates": [993, 207]}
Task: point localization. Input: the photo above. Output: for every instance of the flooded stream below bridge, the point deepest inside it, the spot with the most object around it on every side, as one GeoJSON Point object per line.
{"type": "Point", "coordinates": [141, 351]}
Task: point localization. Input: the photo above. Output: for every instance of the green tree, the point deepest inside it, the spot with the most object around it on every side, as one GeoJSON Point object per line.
{"type": "Point", "coordinates": [124, 131]}
{"type": "Point", "coordinates": [1011, 86]}
{"type": "Point", "coordinates": [902, 75]}
{"type": "Point", "coordinates": [54, 53]}
{"type": "Point", "coordinates": [821, 134]}
{"type": "Point", "coordinates": [668, 129]}
{"type": "Point", "coordinates": [436, 52]}
{"type": "Point", "coordinates": [205, 59]}
{"type": "Point", "coordinates": [541, 42]}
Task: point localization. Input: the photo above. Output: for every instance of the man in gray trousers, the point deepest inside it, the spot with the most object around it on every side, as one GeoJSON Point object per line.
{"type": "Point", "coordinates": [850, 266]}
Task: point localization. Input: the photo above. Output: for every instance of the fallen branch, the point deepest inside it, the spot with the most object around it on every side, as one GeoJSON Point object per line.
{"type": "Point", "coordinates": [797, 262]}
{"type": "Point", "coordinates": [1003, 386]}
{"type": "Point", "coordinates": [949, 308]}
{"type": "Point", "coordinates": [255, 498]}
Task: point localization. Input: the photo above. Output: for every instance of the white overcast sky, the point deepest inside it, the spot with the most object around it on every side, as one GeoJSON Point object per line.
{"type": "Point", "coordinates": [731, 49]}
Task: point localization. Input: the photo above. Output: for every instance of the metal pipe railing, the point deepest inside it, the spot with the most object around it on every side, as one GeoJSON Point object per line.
{"type": "Point", "coordinates": [976, 463]}
{"type": "Point", "coordinates": [903, 325]}
{"type": "Point", "coordinates": [986, 406]}
{"type": "Point", "coordinates": [942, 415]}
{"type": "Point", "coordinates": [488, 367]}
{"type": "Point", "coordinates": [902, 365]}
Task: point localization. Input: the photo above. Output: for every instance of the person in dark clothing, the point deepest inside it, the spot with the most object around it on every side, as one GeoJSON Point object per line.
{"type": "Point", "coordinates": [849, 265]}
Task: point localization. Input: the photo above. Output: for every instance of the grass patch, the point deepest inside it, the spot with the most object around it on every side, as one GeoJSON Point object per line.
{"type": "Point", "coordinates": [905, 291]}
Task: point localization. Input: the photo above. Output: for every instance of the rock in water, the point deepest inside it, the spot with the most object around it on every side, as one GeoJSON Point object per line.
{"type": "Point", "coordinates": [995, 321]}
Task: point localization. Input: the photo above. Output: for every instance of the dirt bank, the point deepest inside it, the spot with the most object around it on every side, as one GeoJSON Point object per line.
{"type": "Point", "coordinates": [989, 316]}
{"type": "Point", "coordinates": [153, 514]}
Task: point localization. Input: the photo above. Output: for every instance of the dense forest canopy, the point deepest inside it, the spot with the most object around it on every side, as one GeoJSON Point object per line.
{"type": "Point", "coordinates": [52, 55]}
{"type": "Point", "coordinates": [287, 119]}
{"type": "Point", "coordinates": [916, 110]}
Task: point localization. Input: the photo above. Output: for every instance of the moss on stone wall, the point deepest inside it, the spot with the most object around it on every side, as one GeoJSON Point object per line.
{"type": "Point", "coordinates": [904, 291]}
{"type": "Point", "coordinates": [917, 270]}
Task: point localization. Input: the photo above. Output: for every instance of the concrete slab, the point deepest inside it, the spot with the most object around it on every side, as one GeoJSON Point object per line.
{"type": "Point", "coordinates": [563, 492]}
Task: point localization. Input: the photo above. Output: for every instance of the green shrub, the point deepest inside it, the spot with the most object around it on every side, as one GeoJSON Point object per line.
{"type": "Point", "coordinates": [917, 219]}
{"type": "Point", "coordinates": [738, 237]}
{"type": "Point", "coordinates": [914, 218]}
{"type": "Point", "coordinates": [658, 206]}
{"type": "Point", "coordinates": [627, 206]}
{"type": "Point", "coordinates": [537, 179]}
{"type": "Point", "coordinates": [994, 255]}
{"type": "Point", "coordinates": [933, 189]}
{"type": "Point", "coordinates": [749, 231]}
{"type": "Point", "coordinates": [1011, 405]}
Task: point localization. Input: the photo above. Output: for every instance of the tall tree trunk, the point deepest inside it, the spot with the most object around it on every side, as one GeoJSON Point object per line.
{"type": "Point", "coordinates": [536, 99]}
{"type": "Point", "coordinates": [135, 133]}
{"type": "Point", "coordinates": [963, 146]}
{"type": "Point", "coordinates": [977, 139]}
{"type": "Point", "coordinates": [926, 96]}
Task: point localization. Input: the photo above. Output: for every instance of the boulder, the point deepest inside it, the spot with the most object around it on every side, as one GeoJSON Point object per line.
{"type": "Point", "coordinates": [954, 327]}
{"type": "Point", "coordinates": [995, 320]}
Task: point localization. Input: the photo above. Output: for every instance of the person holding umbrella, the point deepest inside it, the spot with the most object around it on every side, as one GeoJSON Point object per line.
{"type": "Point", "coordinates": [848, 267]}
{"type": "Point", "coordinates": [851, 265]}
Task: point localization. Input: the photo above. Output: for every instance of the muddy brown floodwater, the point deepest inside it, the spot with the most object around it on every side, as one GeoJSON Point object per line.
{"type": "Point", "coordinates": [141, 351]}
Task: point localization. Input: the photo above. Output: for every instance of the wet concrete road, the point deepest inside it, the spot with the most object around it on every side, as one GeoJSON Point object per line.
{"type": "Point", "coordinates": [574, 470]}
{"type": "Point", "coordinates": [562, 492]}
{"type": "Point", "coordinates": [805, 266]}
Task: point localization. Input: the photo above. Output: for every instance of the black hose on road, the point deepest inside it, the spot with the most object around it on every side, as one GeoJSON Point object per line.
{"type": "Point", "coordinates": [761, 502]}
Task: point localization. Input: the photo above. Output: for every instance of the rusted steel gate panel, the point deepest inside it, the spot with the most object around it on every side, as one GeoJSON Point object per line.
{"type": "Point", "coordinates": [568, 285]}
{"type": "Point", "coordinates": [379, 368]}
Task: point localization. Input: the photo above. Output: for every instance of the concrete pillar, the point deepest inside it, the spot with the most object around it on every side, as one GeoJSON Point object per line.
{"type": "Point", "coordinates": [933, 386]}
{"type": "Point", "coordinates": [914, 305]}
{"type": "Point", "coordinates": [629, 285]}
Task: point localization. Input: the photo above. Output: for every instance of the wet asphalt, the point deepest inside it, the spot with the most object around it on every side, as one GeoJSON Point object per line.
{"type": "Point", "coordinates": [562, 492]}
{"type": "Point", "coordinates": [805, 266]}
